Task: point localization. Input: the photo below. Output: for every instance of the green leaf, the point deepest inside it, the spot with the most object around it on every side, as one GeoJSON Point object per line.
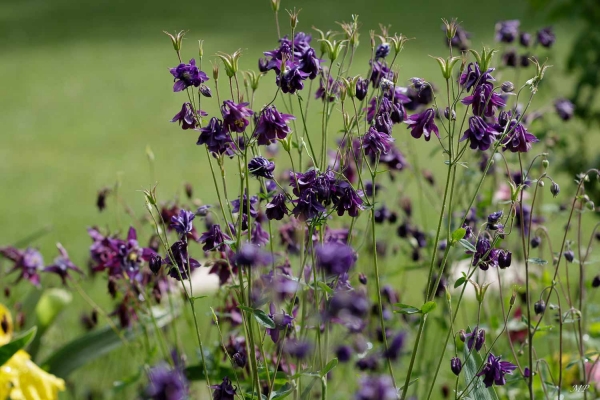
{"type": "Point", "coordinates": [537, 261]}
{"type": "Point", "coordinates": [458, 234]}
{"type": "Point", "coordinates": [330, 365]}
{"type": "Point", "coordinates": [10, 348]}
{"type": "Point", "coordinates": [263, 319]}
{"type": "Point", "coordinates": [324, 287]}
{"type": "Point", "coordinates": [95, 344]}
{"type": "Point", "coordinates": [428, 307]}
{"type": "Point", "coordinates": [406, 309]}
{"type": "Point", "coordinates": [470, 368]}
{"type": "Point", "coordinates": [282, 392]}
{"type": "Point", "coordinates": [467, 245]}
{"type": "Point", "coordinates": [460, 281]}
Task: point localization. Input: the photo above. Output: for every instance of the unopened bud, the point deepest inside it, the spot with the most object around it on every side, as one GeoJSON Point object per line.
{"type": "Point", "coordinates": [205, 91]}
{"type": "Point", "coordinates": [449, 114]}
{"type": "Point", "coordinates": [541, 183]}
{"type": "Point", "coordinates": [200, 48]}
{"type": "Point", "coordinates": [539, 307]}
{"type": "Point", "coordinates": [513, 298]}
{"type": "Point", "coordinates": [590, 205]}
{"type": "Point", "coordinates": [362, 278]}
{"type": "Point", "coordinates": [554, 189]}
{"type": "Point", "coordinates": [507, 87]}
{"type": "Point", "coordinates": [545, 164]}
{"type": "Point", "coordinates": [216, 72]}
{"type": "Point", "coordinates": [462, 335]}
{"type": "Point", "coordinates": [596, 281]}
{"type": "Point", "coordinates": [536, 241]}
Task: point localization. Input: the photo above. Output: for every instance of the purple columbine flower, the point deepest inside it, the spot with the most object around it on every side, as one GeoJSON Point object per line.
{"type": "Point", "coordinates": [260, 237]}
{"type": "Point", "coordinates": [165, 383]}
{"type": "Point", "coordinates": [333, 90]}
{"type": "Point", "coordinates": [525, 39]}
{"type": "Point", "coordinates": [485, 256]}
{"type": "Point", "coordinates": [309, 63]}
{"type": "Point", "coordinates": [475, 339]}
{"type": "Point", "coordinates": [261, 167]}
{"type": "Point", "coordinates": [251, 256]}
{"type": "Point", "coordinates": [335, 258]}
{"type": "Point", "coordinates": [282, 322]}
{"type": "Point", "coordinates": [376, 143]}
{"type": "Point", "coordinates": [546, 37]}
{"type": "Point", "coordinates": [29, 262]}
{"type": "Point", "coordinates": [179, 252]}
{"type": "Point", "coordinates": [507, 31]}
{"type": "Point", "coordinates": [494, 370]}
{"type": "Point", "coordinates": [187, 75]}
{"type": "Point", "coordinates": [224, 391]}
{"type": "Point", "coordinates": [343, 353]}
{"type": "Point", "coordinates": [492, 220]}
{"type": "Point", "coordinates": [395, 347]}
{"type": "Point", "coordinates": [518, 138]}
{"type": "Point", "coordinates": [345, 198]}
{"type": "Point", "coordinates": [62, 265]}
{"type": "Point", "coordinates": [182, 223]}
{"type": "Point", "coordinates": [276, 209]}
{"type": "Point", "coordinates": [272, 126]}
{"type": "Point", "coordinates": [214, 239]}
{"type": "Point", "coordinates": [383, 123]}
{"type": "Point", "coordinates": [292, 78]}
{"type": "Point", "coordinates": [244, 206]}
{"type": "Point", "coordinates": [362, 87]}
{"type": "Point", "coordinates": [216, 138]}
{"type": "Point", "coordinates": [235, 116]}
{"type": "Point", "coordinates": [307, 206]}
{"type": "Point", "coordinates": [504, 259]}
{"type": "Point", "coordinates": [382, 50]}
{"type": "Point", "coordinates": [186, 117]}
{"type": "Point", "coordinates": [456, 365]}
{"type": "Point", "coordinates": [564, 108]}
{"type": "Point", "coordinates": [423, 124]}
{"type": "Point", "coordinates": [480, 134]}
{"type": "Point", "coordinates": [298, 349]}
{"type": "Point", "coordinates": [473, 77]}
{"type": "Point", "coordinates": [380, 71]}
{"type": "Point", "coordinates": [484, 100]}
{"type": "Point", "coordinates": [376, 388]}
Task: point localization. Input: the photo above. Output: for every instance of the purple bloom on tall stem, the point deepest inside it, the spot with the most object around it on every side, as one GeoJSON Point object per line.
{"type": "Point", "coordinates": [475, 339]}
{"type": "Point", "coordinates": [272, 126]}
{"type": "Point", "coordinates": [179, 253]}
{"type": "Point", "coordinates": [260, 237]}
{"type": "Point", "coordinates": [187, 75]}
{"type": "Point", "coordinates": [182, 223]}
{"type": "Point", "coordinates": [376, 388]}
{"type": "Point", "coordinates": [376, 143]}
{"type": "Point", "coordinates": [235, 116]}
{"type": "Point", "coordinates": [345, 198]}
{"type": "Point", "coordinates": [564, 108]}
{"type": "Point", "coordinates": [282, 322]}
{"type": "Point", "coordinates": [380, 70]}
{"type": "Point", "coordinates": [292, 78]}
{"type": "Point", "coordinates": [546, 37]}
{"type": "Point", "coordinates": [382, 50]}
{"type": "Point", "coordinates": [214, 239]}
{"type": "Point", "coordinates": [62, 265]}
{"type": "Point", "coordinates": [333, 90]}
{"type": "Point", "coordinates": [362, 87]}
{"type": "Point", "coordinates": [186, 117]}
{"type": "Point", "coordinates": [507, 31]}
{"type": "Point", "coordinates": [518, 138]}
{"type": "Point", "coordinates": [216, 138]}
{"type": "Point", "coordinates": [242, 206]}
{"type": "Point", "coordinates": [307, 205]}
{"type": "Point", "coordinates": [504, 258]}
{"type": "Point", "coordinates": [310, 64]}
{"type": "Point", "coordinates": [335, 258]}
{"type": "Point", "coordinates": [456, 365]}
{"type": "Point", "coordinates": [28, 262]}
{"type": "Point", "coordinates": [494, 370]}
{"type": "Point", "coordinates": [276, 209]}
{"type": "Point", "coordinates": [460, 39]}
{"type": "Point", "coordinates": [261, 167]}
{"type": "Point", "coordinates": [224, 391]}
{"type": "Point", "coordinates": [165, 383]}
{"type": "Point", "coordinates": [484, 100]}
{"type": "Point", "coordinates": [480, 134]}
{"type": "Point", "coordinates": [251, 255]}
{"type": "Point", "coordinates": [423, 124]}
{"type": "Point", "coordinates": [395, 346]}
{"type": "Point", "coordinates": [473, 77]}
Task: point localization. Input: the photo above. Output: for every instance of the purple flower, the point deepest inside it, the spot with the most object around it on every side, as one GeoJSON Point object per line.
{"type": "Point", "coordinates": [276, 209]}
{"type": "Point", "coordinates": [485, 256]}
{"type": "Point", "coordinates": [343, 353]}
{"type": "Point", "coordinates": [362, 87]}
{"type": "Point", "coordinates": [182, 223]}
{"type": "Point", "coordinates": [179, 253]}
{"type": "Point", "coordinates": [261, 167]}
{"type": "Point", "coordinates": [260, 237]}
{"type": "Point", "coordinates": [564, 108]}
{"type": "Point", "coordinates": [473, 77]}
{"type": "Point", "coordinates": [394, 159]}
{"type": "Point", "coordinates": [250, 256]}
{"type": "Point", "coordinates": [382, 50]}
{"type": "Point", "coordinates": [494, 370]}
{"type": "Point", "coordinates": [309, 63]}
{"type": "Point", "coordinates": [224, 391]}
{"type": "Point", "coordinates": [456, 365]}
{"type": "Point", "coordinates": [244, 206]}
{"type": "Point", "coordinates": [504, 258]}
{"type": "Point", "coordinates": [298, 348]}
{"type": "Point", "coordinates": [272, 126]}
{"type": "Point", "coordinates": [423, 124]}
{"type": "Point", "coordinates": [307, 206]}
{"type": "Point", "coordinates": [62, 265]}
{"type": "Point", "coordinates": [216, 138]}
{"type": "Point", "coordinates": [376, 143]}
{"type": "Point", "coordinates": [376, 388]}
{"type": "Point", "coordinates": [518, 138]}
{"type": "Point", "coordinates": [186, 117]}
{"type": "Point", "coordinates": [484, 100]}
{"type": "Point", "coordinates": [29, 262]}
{"type": "Point", "coordinates": [480, 134]}
{"type": "Point", "coordinates": [476, 338]}
{"type": "Point", "coordinates": [546, 37]}
{"type": "Point", "coordinates": [395, 347]}
{"type": "Point", "coordinates": [525, 39]}
{"type": "Point", "coordinates": [334, 258]}
{"type": "Point", "coordinates": [283, 321]}
{"type": "Point", "coordinates": [187, 75]}
{"type": "Point", "coordinates": [345, 198]}
{"type": "Point", "coordinates": [333, 90]}
{"type": "Point", "coordinates": [165, 383]}
{"type": "Point", "coordinates": [292, 78]}
{"type": "Point", "coordinates": [214, 238]}
{"type": "Point", "coordinates": [380, 70]}
{"type": "Point", "coordinates": [507, 31]}
{"type": "Point", "coordinates": [235, 116]}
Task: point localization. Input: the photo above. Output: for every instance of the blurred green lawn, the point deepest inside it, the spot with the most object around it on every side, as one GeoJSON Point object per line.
{"type": "Point", "coordinates": [86, 88]}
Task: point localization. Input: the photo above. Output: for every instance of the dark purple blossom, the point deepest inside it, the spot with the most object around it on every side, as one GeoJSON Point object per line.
{"type": "Point", "coordinates": [484, 101]}
{"type": "Point", "coordinates": [216, 138]}
{"type": "Point", "coordinates": [525, 39]}
{"type": "Point", "coordinates": [243, 206]}
{"type": "Point", "coordinates": [376, 143]}
{"type": "Point", "coordinates": [362, 87]}
{"type": "Point", "coordinates": [507, 31]}
{"type": "Point", "coordinates": [28, 262]}
{"type": "Point", "coordinates": [299, 349]}
{"type": "Point", "coordinates": [504, 258]}
{"type": "Point", "coordinates": [423, 124]}
{"type": "Point", "coordinates": [335, 258]}
{"type": "Point", "coordinates": [309, 63]}
{"type": "Point", "coordinates": [380, 71]}
{"type": "Point", "coordinates": [383, 122]}
{"type": "Point", "coordinates": [518, 138]}
{"type": "Point", "coordinates": [165, 383]}
{"type": "Point", "coordinates": [460, 39]}
{"type": "Point", "coordinates": [376, 388]}
{"type": "Point", "coordinates": [395, 346]}
{"type": "Point", "coordinates": [224, 391]}
{"type": "Point", "coordinates": [343, 353]}
{"type": "Point", "coordinates": [307, 206]}
{"type": "Point", "coordinates": [62, 265]}
{"type": "Point", "coordinates": [179, 254]}
{"type": "Point", "coordinates": [235, 116]}
{"type": "Point", "coordinates": [394, 159]}
{"type": "Point", "coordinates": [276, 209]}
{"type": "Point", "coordinates": [182, 223]}
{"type": "Point", "coordinates": [260, 237]}
{"type": "Point", "coordinates": [187, 75]}
{"type": "Point", "coordinates": [282, 322]}
{"type": "Point", "coordinates": [476, 339]}
{"type": "Point", "coordinates": [345, 198]}
{"type": "Point", "coordinates": [494, 370]}
{"type": "Point", "coordinates": [480, 134]}
{"type": "Point", "coordinates": [456, 365]}
{"type": "Point", "coordinates": [214, 239]}
{"type": "Point", "coordinates": [485, 256]}
{"type": "Point", "coordinates": [473, 77]}
{"type": "Point", "coordinates": [251, 256]}
{"type": "Point", "coordinates": [261, 167]}
{"type": "Point", "coordinates": [546, 37]}
{"type": "Point", "coordinates": [382, 50]}
{"type": "Point", "coordinates": [292, 79]}
{"type": "Point", "coordinates": [272, 126]}
{"type": "Point", "coordinates": [186, 117]}
{"type": "Point", "coordinates": [564, 108]}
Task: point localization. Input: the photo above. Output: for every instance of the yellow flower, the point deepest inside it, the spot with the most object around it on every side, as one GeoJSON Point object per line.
{"type": "Point", "coordinates": [20, 378]}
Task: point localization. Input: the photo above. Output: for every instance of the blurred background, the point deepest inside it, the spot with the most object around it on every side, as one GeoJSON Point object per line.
{"type": "Point", "coordinates": [86, 93]}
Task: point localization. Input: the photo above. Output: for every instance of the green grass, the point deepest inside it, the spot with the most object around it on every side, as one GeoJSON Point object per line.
{"type": "Point", "coordinates": [86, 89]}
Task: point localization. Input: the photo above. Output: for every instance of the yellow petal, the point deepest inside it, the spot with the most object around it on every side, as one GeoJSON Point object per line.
{"type": "Point", "coordinates": [6, 326]}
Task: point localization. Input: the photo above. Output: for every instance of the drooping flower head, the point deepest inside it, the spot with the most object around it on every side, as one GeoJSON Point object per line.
{"type": "Point", "coordinates": [28, 263]}
{"type": "Point", "coordinates": [187, 75]}
{"type": "Point", "coordinates": [518, 138]}
{"type": "Point", "coordinates": [376, 143]}
{"type": "Point", "coordinates": [472, 76]}
{"type": "Point", "coordinates": [494, 370]}
{"type": "Point", "coordinates": [333, 89]}
{"type": "Point", "coordinates": [481, 135]}
{"type": "Point", "coordinates": [507, 31]}
{"type": "Point", "coordinates": [182, 223]}
{"type": "Point", "coordinates": [183, 262]}
{"type": "Point", "coordinates": [292, 78]}
{"type": "Point", "coordinates": [216, 138]}
{"type": "Point", "coordinates": [243, 206]}
{"type": "Point", "coordinates": [235, 116]}
{"type": "Point", "coordinates": [564, 108]}
{"type": "Point", "coordinates": [484, 101]}
{"type": "Point", "coordinates": [214, 239]}
{"type": "Point", "coordinates": [335, 258]}
{"type": "Point", "coordinates": [272, 126]}
{"type": "Point", "coordinates": [345, 198]}
{"type": "Point", "coordinates": [423, 124]}
{"type": "Point", "coordinates": [276, 209]}
{"type": "Point", "coordinates": [224, 391]}
{"type": "Point", "coordinates": [261, 167]}
{"type": "Point", "coordinates": [380, 71]}
{"type": "Point", "coordinates": [186, 117]}
{"type": "Point", "coordinates": [62, 265]}
{"type": "Point", "coordinates": [165, 383]}
{"type": "Point", "coordinates": [546, 37]}
{"type": "Point", "coordinates": [382, 50]}
{"type": "Point", "coordinates": [376, 388]}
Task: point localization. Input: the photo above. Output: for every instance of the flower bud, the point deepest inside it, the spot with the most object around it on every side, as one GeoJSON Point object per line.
{"type": "Point", "coordinates": [200, 48]}
{"type": "Point", "coordinates": [554, 189]}
{"type": "Point", "coordinates": [362, 278]}
{"type": "Point", "coordinates": [239, 359]}
{"type": "Point", "coordinates": [569, 255]}
{"type": "Point", "coordinates": [513, 298]}
{"type": "Point", "coordinates": [539, 307]}
{"type": "Point", "coordinates": [455, 365]}
{"type": "Point", "coordinates": [596, 281]}
{"type": "Point", "coordinates": [451, 115]}
{"type": "Point", "coordinates": [155, 263]}
{"type": "Point", "coordinates": [216, 72]}
{"type": "Point", "coordinates": [205, 91]}
{"type": "Point", "coordinates": [590, 205]}
{"type": "Point", "coordinates": [275, 5]}
{"type": "Point", "coordinates": [545, 164]}
{"type": "Point", "coordinates": [541, 183]}
{"type": "Point", "coordinates": [504, 259]}
{"type": "Point", "coordinates": [507, 87]}
{"type": "Point", "coordinates": [362, 87]}
{"type": "Point", "coordinates": [462, 335]}
{"type": "Point", "coordinates": [536, 241]}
